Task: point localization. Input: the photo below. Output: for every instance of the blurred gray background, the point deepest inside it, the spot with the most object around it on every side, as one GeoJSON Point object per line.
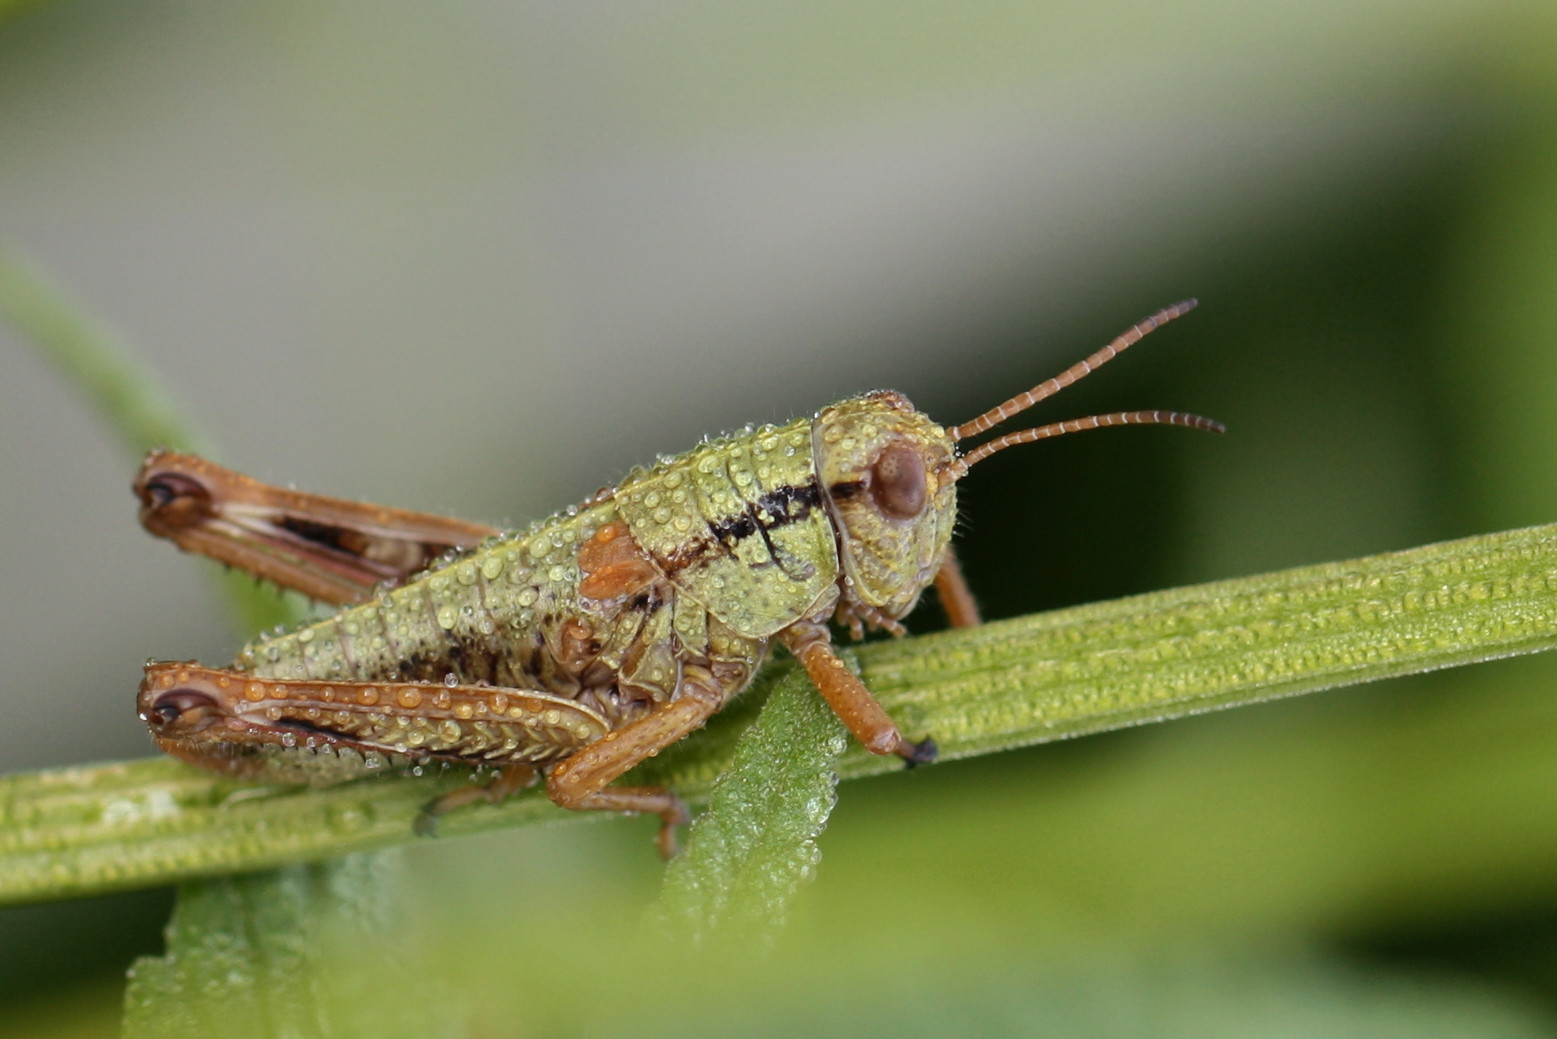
{"type": "Point", "coordinates": [482, 258]}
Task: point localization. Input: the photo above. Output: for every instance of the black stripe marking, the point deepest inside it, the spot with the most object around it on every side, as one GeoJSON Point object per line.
{"type": "Point", "coordinates": [843, 490]}
{"type": "Point", "coordinates": [776, 508]}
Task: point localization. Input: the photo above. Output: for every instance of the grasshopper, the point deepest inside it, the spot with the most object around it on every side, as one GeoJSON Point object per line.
{"type": "Point", "coordinates": [596, 637]}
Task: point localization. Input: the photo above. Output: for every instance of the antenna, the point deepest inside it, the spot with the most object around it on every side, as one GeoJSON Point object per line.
{"type": "Point", "coordinates": [1048, 388]}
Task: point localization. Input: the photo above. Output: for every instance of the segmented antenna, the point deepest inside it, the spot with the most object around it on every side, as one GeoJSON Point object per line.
{"type": "Point", "coordinates": [1022, 401]}
{"type": "Point", "coordinates": [1016, 405]}
{"type": "Point", "coordinates": [960, 467]}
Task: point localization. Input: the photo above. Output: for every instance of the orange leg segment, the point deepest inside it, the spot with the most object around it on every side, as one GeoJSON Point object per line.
{"type": "Point", "coordinates": [956, 598]}
{"type": "Point", "coordinates": [850, 700]}
{"type": "Point", "coordinates": [511, 780]}
{"type": "Point", "coordinates": [580, 781]}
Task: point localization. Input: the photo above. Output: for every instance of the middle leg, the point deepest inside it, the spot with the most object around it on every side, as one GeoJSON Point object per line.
{"type": "Point", "coordinates": [581, 780]}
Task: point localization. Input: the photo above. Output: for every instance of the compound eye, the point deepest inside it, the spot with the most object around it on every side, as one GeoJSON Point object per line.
{"type": "Point", "coordinates": [187, 707]}
{"type": "Point", "coordinates": [898, 481]}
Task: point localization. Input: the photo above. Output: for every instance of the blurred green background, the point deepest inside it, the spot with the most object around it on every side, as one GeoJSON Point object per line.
{"type": "Point", "coordinates": [482, 258]}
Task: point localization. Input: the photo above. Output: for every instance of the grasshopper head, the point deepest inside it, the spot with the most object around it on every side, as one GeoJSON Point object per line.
{"type": "Point", "coordinates": [889, 476]}
{"type": "Point", "coordinates": [885, 475]}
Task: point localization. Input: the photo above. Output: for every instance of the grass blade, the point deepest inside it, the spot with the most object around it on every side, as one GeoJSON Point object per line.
{"type": "Point", "coordinates": [1048, 676]}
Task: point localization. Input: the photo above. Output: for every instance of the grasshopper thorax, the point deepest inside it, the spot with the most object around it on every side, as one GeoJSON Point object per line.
{"type": "Point", "coordinates": [884, 469]}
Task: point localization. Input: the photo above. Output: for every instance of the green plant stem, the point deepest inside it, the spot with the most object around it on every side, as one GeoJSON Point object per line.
{"type": "Point", "coordinates": [1102, 666]}
{"type": "Point", "coordinates": [126, 393]}
{"type": "Point", "coordinates": [90, 356]}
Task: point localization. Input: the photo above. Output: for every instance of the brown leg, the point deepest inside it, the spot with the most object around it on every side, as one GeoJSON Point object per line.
{"type": "Point", "coordinates": [850, 700]}
{"type": "Point", "coordinates": [511, 780]}
{"type": "Point", "coordinates": [275, 728]}
{"type": "Point", "coordinates": [956, 599]}
{"type": "Point", "coordinates": [329, 549]}
{"type": "Point", "coordinates": [235, 722]}
{"type": "Point", "coordinates": [648, 800]}
{"type": "Point", "coordinates": [514, 778]}
{"type": "Point", "coordinates": [581, 780]}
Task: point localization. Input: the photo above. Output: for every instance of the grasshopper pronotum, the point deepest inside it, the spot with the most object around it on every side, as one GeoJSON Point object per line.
{"type": "Point", "coordinates": [597, 637]}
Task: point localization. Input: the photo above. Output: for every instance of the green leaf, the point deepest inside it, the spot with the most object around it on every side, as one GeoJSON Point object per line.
{"type": "Point", "coordinates": [755, 844]}
{"type": "Point", "coordinates": [282, 954]}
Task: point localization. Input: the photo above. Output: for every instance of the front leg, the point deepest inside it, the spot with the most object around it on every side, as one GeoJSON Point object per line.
{"type": "Point", "coordinates": [849, 698]}
{"type": "Point", "coordinates": [957, 601]}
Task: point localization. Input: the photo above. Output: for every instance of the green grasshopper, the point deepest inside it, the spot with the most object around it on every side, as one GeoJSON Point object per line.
{"type": "Point", "coordinates": [597, 637]}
